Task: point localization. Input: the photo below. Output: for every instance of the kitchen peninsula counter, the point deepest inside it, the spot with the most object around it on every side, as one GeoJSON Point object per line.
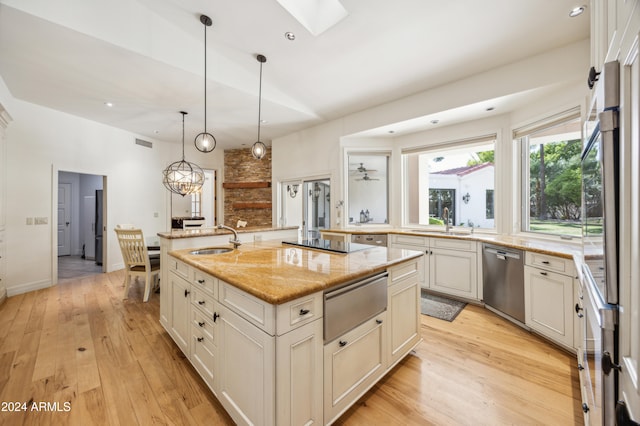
{"type": "Point", "coordinates": [277, 273]}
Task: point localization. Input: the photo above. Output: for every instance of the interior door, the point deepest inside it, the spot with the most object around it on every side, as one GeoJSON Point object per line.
{"type": "Point", "coordinates": [64, 219]}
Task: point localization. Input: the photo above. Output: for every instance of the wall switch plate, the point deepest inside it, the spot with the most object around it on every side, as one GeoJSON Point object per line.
{"type": "Point", "coordinates": [29, 221]}
{"type": "Point", "coordinates": [155, 214]}
{"type": "Point", "coordinates": [41, 220]}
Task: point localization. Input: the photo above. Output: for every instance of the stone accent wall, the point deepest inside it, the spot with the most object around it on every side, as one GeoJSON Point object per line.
{"type": "Point", "coordinates": [252, 205]}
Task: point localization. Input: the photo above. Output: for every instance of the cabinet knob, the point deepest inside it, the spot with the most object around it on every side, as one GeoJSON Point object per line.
{"type": "Point", "coordinates": [201, 281]}
{"type": "Point", "coordinates": [585, 408]}
{"type": "Point", "coordinates": [215, 316]}
{"type": "Point", "coordinates": [546, 262]}
{"type": "Point", "coordinates": [304, 312]}
{"type": "Point", "coordinates": [543, 273]}
{"type": "Point", "coordinates": [578, 309]}
{"type": "Point", "coordinates": [378, 321]}
{"type": "Point", "coordinates": [186, 292]}
{"type": "Point", "coordinates": [201, 302]}
{"type": "Point", "coordinates": [342, 343]}
{"type": "Point", "coordinates": [200, 339]}
{"type": "Point", "coordinates": [201, 324]}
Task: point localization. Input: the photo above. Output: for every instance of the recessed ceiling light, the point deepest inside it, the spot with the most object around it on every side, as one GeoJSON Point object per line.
{"type": "Point", "coordinates": [109, 104]}
{"type": "Point", "coordinates": [577, 11]}
{"type": "Point", "coordinates": [289, 36]}
{"type": "Point", "coordinates": [391, 131]}
{"type": "Point", "coordinates": [434, 121]}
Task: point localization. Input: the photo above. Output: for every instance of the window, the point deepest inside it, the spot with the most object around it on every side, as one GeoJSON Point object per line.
{"type": "Point", "coordinates": [456, 175]}
{"type": "Point", "coordinates": [551, 176]}
{"type": "Point", "coordinates": [368, 188]}
{"type": "Point", "coordinates": [489, 203]}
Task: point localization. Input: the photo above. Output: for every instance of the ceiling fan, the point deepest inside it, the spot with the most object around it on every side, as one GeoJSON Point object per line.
{"type": "Point", "coordinates": [362, 169]}
{"type": "Point", "coordinates": [367, 178]}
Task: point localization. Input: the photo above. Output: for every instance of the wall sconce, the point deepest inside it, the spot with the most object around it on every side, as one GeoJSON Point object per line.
{"type": "Point", "coordinates": [316, 190]}
{"type": "Point", "coordinates": [466, 197]}
{"type": "Point", "coordinates": [292, 190]}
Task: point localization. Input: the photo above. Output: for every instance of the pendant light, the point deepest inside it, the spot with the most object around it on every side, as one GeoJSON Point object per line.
{"type": "Point", "coordinates": [205, 142]}
{"type": "Point", "coordinates": [258, 150]}
{"type": "Point", "coordinates": [182, 177]}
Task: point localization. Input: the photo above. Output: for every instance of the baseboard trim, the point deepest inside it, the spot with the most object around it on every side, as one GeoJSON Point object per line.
{"type": "Point", "coordinates": [27, 287]}
{"type": "Point", "coordinates": [3, 295]}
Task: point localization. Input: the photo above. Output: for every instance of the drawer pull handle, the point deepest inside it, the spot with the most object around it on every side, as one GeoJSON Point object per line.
{"type": "Point", "coordinates": [201, 324]}
{"type": "Point", "coordinates": [578, 309]}
{"type": "Point", "coordinates": [543, 273]}
{"type": "Point", "coordinates": [200, 339]}
{"type": "Point", "coordinates": [342, 343]}
{"type": "Point", "coordinates": [215, 316]}
{"type": "Point", "coordinates": [201, 281]}
{"type": "Point", "coordinates": [546, 262]}
{"type": "Point", "coordinates": [378, 321]}
{"type": "Point", "coordinates": [304, 312]}
{"type": "Point", "coordinates": [186, 292]}
{"type": "Point", "coordinates": [201, 302]}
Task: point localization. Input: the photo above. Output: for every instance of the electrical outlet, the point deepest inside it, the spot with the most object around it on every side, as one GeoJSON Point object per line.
{"type": "Point", "coordinates": [29, 221]}
{"type": "Point", "coordinates": [41, 220]}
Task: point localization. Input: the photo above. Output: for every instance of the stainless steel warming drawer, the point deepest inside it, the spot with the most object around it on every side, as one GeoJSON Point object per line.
{"type": "Point", "coordinates": [349, 306]}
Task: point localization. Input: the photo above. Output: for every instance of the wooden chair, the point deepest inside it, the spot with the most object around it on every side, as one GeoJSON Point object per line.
{"type": "Point", "coordinates": [136, 259]}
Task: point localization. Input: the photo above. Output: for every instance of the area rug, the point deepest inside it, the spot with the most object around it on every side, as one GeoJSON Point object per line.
{"type": "Point", "coordinates": [440, 307]}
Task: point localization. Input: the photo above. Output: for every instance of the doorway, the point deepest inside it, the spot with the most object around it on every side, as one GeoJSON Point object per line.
{"type": "Point", "coordinates": [306, 204]}
{"type": "Point", "coordinates": [81, 214]}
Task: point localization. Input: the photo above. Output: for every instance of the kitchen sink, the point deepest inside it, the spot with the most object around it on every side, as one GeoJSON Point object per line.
{"type": "Point", "coordinates": [211, 250]}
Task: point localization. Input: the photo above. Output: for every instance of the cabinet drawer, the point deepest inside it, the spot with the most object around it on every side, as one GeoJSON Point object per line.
{"type": "Point", "coordinates": [298, 312]}
{"type": "Point", "coordinates": [178, 267]}
{"type": "Point", "coordinates": [551, 263]}
{"type": "Point", "coordinates": [411, 240]}
{"type": "Point", "coordinates": [453, 244]}
{"type": "Point", "coordinates": [203, 325]}
{"type": "Point", "coordinates": [202, 356]}
{"type": "Point", "coordinates": [254, 310]}
{"type": "Point", "coordinates": [202, 301]}
{"type": "Point", "coordinates": [403, 271]}
{"type": "Point", "coordinates": [206, 282]}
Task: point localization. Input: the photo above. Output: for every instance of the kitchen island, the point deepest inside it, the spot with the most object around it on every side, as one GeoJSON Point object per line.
{"type": "Point", "coordinates": [251, 321]}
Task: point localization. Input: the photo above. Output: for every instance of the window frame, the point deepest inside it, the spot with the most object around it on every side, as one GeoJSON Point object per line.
{"type": "Point", "coordinates": [520, 138]}
{"type": "Point", "coordinates": [360, 152]}
{"type": "Point", "coordinates": [469, 144]}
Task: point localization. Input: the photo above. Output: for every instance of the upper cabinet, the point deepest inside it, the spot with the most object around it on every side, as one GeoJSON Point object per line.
{"type": "Point", "coordinates": [609, 21]}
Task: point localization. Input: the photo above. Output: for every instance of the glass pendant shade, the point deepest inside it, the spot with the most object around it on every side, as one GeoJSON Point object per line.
{"type": "Point", "coordinates": [205, 141]}
{"type": "Point", "coordinates": [258, 150]}
{"type": "Point", "coordinates": [182, 177]}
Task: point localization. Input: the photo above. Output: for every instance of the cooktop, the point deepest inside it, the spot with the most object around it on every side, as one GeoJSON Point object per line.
{"type": "Point", "coordinates": [329, 245]}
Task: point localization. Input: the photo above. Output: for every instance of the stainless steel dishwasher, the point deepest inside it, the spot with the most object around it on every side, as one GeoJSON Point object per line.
{"type": "Point", "coordinates": [503, 280]}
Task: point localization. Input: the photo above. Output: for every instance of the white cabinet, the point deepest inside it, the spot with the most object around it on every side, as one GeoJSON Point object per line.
{"type": "Point", "coordinates": [246, 373]}
{"type": "Point", "coordinates": [299, 364]}
{"type": "Point", "coordinates": [180, 311]}
{"type": "Point", "coordinates": [403, 310]}
{"type": "Point", "coordinates": [353, 363]}
{"type": "Point", "coordinates": [549, 297]}
{"type": "Point", "coordinates": [453, 267]}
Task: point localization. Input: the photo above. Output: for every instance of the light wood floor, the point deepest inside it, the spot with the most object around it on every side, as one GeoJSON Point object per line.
{"type": "Point", "coordinates": [113, 363]}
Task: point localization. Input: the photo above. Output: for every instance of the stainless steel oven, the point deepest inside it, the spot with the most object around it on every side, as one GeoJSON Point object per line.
{"type": "Point", "coordinates": [597, 308]}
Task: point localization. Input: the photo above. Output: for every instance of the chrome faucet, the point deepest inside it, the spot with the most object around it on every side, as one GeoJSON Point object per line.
{"type": "Point", "coordinates": [445, 216]}
{"type": "Point", "coordinates": [235, 241]}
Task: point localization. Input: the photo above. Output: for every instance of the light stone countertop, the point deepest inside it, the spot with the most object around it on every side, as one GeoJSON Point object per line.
{"type": "Point", "coordinates": [553, 248]}
{"type": "Point", "coordinates": [207, 232]}
{"type": "Point", "coordinates": [278, 273]}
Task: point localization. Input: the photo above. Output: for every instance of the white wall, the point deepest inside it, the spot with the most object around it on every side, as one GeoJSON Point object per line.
{"type": "Point", "coordinates": [561, 72]}
{"type": "Point", "coordinates": [41, 142]}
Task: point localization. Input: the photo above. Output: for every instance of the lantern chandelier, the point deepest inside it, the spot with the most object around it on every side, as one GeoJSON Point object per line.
{"type": "Point", "coordinates": [258, 150]}
{"type": "Point", "coordinates": [205, 142]}
{"type": "Point", "coordinates": [182, 177]}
